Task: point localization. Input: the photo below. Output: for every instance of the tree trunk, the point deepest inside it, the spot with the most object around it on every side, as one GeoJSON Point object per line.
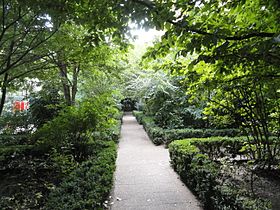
{"type": "Point", "coordinates": [64, 81]}
{"type": "Point", "coordinates": [76, 71]}
{"type": "Point", "coordinates": [4, 92]}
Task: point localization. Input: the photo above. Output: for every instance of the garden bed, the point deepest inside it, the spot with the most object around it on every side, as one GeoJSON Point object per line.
{"type": "Point", "coordinates": [159, 135]}
{"type": "Point", "coordinates": [67, 164]}
{"type": "Point", "coordinates": [220, 173]}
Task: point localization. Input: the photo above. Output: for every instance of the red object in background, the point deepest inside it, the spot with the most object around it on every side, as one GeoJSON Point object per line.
{"type": "Point", "coordinates": [21, 105]}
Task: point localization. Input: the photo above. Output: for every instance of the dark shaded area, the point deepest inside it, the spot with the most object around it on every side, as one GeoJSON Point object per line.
{"type": "Point", "coordinates": [128, 104]}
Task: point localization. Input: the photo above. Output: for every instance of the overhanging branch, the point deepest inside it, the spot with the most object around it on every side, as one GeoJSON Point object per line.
{"type": "Point", "coordinates": [182, 24]}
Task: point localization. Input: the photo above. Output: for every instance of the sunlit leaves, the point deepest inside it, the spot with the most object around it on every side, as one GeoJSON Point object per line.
{"type": "Point", "coordinates": [226, 30]}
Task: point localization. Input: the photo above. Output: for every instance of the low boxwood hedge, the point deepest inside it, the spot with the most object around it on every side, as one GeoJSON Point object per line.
{"type": "Point", "coordinates": [13, 139]}
{"type": "Point", "coordinates": [175, 134]}
{"type": "Point", "coordinates": [88, 186]}
{"type": "Point", "coordinates": [6, 152]}
{"type": "Point", "coordinates": [155, 133]}
{"type": "Point", "coordinates": [139, 116]}
{"type": "Point", "coordinates": [72, 156]}
{"type": "Point", "coordinates": [159, 135]}
{"type": "Point", "coordinates": [200, 172]}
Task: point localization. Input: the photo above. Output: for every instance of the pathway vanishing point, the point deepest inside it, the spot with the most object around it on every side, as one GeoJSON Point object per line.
{"type": "Point", "coordinates": [144, 178]}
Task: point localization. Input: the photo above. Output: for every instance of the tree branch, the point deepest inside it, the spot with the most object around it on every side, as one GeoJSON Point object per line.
{"type": "Point", "coordinates": [27, 52]}
{"type": "Point", "coordinates": [3, 16]}
{"type": "Point", "coordinates": [5, 28]}
{"type": "Point", "coordinates": [183, 25]}
{"type": "Point", "coordinates": [29, 71]}
{"type": "Point", "coordinates": [146, 3]}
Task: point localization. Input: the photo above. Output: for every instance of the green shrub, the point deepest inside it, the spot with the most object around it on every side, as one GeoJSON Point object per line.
{"type": "Point", "coordinates": [88, 186]}
{"type": "Point", "coordinates": [18, 123]}
{"type": "Point", "coordinates": [45, 105]}
{"type": "Point", "coordinates": [176, 134]}
{"type": "Point", "coordinates": [14, 139]}
{"type": "Point", "coordinates": [155, 133]}
{"type": "Point", "coordinates": [8, 152]}
{"type": "Point", "coordinates": [74, 151]}
{"type": "Point", "coordinates": [159, 135]}
{"type": "Point", "coordinates": [68, 130]}
{"type": "Point", "coordinates": [144, 119]}
{"type": "Point", "coordinates": [111, 133]}
{"type": "Point", "coordinates": [197, 169]}
{"type": "Point", "coordinates": [139, 116]}
{"type": "Point", "coordinates": [115, 131]}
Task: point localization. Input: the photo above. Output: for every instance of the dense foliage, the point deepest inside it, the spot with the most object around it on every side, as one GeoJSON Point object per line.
{"type": "Point", "coordinates": [87, 186]}
{"type": "Point", "coordinates": [214, 72]}
{"type": "Point", "coordinates": [201, 165]}
{"type": "Point", "coordinates": [161, 135]}
{"type": "Point", "coordinates": [56, 55]}
{"type": "Point", "coordinates": [78, 139]}
{"type": "Point", "coordinates": [227, 55]}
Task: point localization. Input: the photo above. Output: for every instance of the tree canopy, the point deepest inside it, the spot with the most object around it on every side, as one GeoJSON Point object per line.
{"type": "Point", "coordinates": [67, 70]}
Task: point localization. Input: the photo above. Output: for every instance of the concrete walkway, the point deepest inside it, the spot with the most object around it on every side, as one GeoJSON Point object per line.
{"type": "Point", "coordinates": [144, 178]}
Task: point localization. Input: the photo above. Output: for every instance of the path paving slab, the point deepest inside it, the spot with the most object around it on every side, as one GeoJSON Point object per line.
{"type": "Point", "coordinates": [144, 179]}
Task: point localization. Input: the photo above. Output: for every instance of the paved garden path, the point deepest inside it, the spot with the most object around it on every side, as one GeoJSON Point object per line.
{"type": "Point", "coordinates": [144, 178]}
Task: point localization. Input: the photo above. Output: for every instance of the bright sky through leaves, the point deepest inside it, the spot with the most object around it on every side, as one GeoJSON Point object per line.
{"type": "Point", "coordinates": [144, 37]}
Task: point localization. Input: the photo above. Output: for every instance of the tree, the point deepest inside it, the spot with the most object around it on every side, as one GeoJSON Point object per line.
{"type": "Point", "coordinates": [23, 34]}
{"type": "Point", "coordinates": [228, 54]}
{"type": "Point", "coordinates": [219, 30]}
{"type": "Point", "coordinates": [81, 58]}
{"type": "Point", "coordinates": [27, 26]}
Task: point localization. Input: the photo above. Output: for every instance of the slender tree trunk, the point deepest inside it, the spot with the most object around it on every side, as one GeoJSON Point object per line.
{"type": "Point", "coordinates": [4, 92]}
{"type": "Point", "coordinates": [64, 81]}
{"type": "Point", "coordinates": [8, 66]}
{"type": "Point", "coordinates": [76, 71]}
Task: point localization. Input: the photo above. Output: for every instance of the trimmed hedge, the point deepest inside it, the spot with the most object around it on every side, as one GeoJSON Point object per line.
{"type": "Point", "coordinates": [13, 139]}
{"type": "Point", "coordinates": [159, 135]}
{"type": "Point", "coordinates": [174, 134]}
{"type": "Point", "coordinates": [88, 186]}
{"type": "Point", "coordinates": [219, 147]}
{"type": "Point", "coordinates": [191, 161]}
{"type": "Point", "coordinates": [155, 133]}
{"type": "Point", "coordinates": [139, 116]}
{"type": "Point", "coordinates": [69, 161]}
{"type": "Point", "coordinates": [7, 151]}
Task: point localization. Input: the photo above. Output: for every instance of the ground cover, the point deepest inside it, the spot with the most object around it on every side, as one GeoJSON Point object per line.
{"type": "Point", "coordinates": [67, 163]}
{"type": "Point", "coordinates": [223, 175]}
